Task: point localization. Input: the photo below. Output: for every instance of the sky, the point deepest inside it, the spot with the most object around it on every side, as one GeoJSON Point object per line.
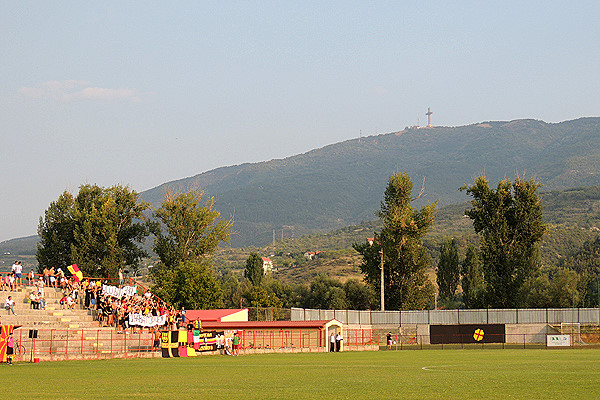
{"type": "Point", "coordinates": [140, 93]}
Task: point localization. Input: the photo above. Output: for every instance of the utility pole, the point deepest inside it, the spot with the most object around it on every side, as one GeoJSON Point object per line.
{"type": "Point", "coordinates": [382, 295]}
{"type": "Point", "coordinates": [381, 267]}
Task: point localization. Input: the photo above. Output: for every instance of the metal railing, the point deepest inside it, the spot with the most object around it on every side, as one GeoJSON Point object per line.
{"type": "Point", "coordinates": [78, 343]}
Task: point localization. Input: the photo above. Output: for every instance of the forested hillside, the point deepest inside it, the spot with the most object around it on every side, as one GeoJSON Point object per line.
{"type": "Point", "coordinates": [341, 184]}
{"type": "Point", "coordinates": [572, 216]}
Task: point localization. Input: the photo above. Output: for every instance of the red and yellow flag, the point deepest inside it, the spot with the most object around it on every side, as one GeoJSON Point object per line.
{"type": "Point", "coordinates": [77, 274]}
{"type": "Point", "coordinates": [5, 331]}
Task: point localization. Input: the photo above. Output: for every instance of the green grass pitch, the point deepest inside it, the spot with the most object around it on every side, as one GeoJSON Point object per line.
{"type": "Point", "coordinates": [427, 374]}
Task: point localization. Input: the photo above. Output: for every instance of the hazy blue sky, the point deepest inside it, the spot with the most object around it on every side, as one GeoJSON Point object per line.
{"type": "Point", "coordinates": [141, 93]}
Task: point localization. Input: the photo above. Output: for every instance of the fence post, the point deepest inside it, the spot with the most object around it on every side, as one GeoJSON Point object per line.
{"type": "Point", "coordinates": [67, 344]}
{"type": "Point", "coordinates": [51, 339]}
{"type": "Point", "coordinates": [97, 342]}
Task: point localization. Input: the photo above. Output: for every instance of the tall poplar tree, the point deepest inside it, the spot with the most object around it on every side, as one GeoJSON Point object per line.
{"type": "Point", "coordinates": [254, 269]}
{"type": "Point", "coordinates": [448, 269]}
{"type": "Point", "coordinates": [472, 279]}
{"type": "Point", "coordinates": [406, 286]}
{"type": "Point", "coordinates": [509, 221]}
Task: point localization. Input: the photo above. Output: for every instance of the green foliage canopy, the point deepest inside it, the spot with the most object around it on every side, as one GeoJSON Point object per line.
{"type": "Point", "coordinates": [405, 258]}
{"type": "Point", "coordinates": [472, 278]}
{"type": "Point", "coordinates": [448, 269]}
{"type": "Point", "coordinates": [185, 230]}
{"type": "Point", "coordinates": [509, 220]}
{"type": "Point", "coordinates": [191, 284]}
{"type": "Point", "coordinates": [254, 269]}
{"type": "Point", "coordinates": [100, 230]}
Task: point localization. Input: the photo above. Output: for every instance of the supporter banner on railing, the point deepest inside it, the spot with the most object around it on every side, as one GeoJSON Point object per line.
{"type": "Point", "coordinates": [189, 343]}
{"type": "Point", "coordinates": [146, 320]}
{"type": "Point", "coordinates": [118, 292]}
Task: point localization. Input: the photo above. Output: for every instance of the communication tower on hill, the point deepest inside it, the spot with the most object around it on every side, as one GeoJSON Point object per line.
{"type": "Point", "coordinates": [428, 113]}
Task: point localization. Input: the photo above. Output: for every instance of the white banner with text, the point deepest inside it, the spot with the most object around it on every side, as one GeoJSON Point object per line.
{"type": "Point", "coordinates": [118, 292]}
{"type": "Point", "coordinates": [146, 320]}
{"type": "Point", "coordinates": [558, 340]}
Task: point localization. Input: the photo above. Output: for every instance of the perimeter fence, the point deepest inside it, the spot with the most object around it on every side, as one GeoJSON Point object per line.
{"type": "Point", "coordinates": [491, 341]}
{"type": "Point", "coordinates": [551, 316]}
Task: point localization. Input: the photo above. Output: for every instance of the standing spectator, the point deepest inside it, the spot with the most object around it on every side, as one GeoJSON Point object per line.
{"type": "Point", "coordinates": [88, 293]}
{"type": "Point", "coordinates": [31, 277]}
{"type": "Point", "coordinates": [9, 305]}
{"type": "Point", "coordinates": [11, 282]}
{"type": "Point", "coordinates": [62, 280]}
{"type": "Point", "coordinates": [156, 336]}
{"type": "Point", "coordinates": [40, 285]}
{"type": "Point", "coordinates": [46, 274]}
{"type": "Point", "coordinates": [389, 340]}
{"type": "Point", "coordinates": [93, 296]}
{"type": "Point", "coordinates": [6, 282]}
{"type": "Point", "coordinates": [52, 277]}
{"type": "Point", "coordinates": [120, 277]}
{"type": "Point", "coordinates": [236, 344]}
{"type": "Point", "coordinates": [332, 342]}
{"type": "Point", "coordinates": [17, 269]}
{"type": "Point", "coordinates": [10, 349]}
{"type": "Point", "coordinates": [338, 341]}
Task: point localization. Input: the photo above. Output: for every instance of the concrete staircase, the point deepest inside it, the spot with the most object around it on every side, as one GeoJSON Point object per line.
{"type": "Point", "coordinates": [67, 333]}
{"type": "Point", "coordinates": [53, 317]}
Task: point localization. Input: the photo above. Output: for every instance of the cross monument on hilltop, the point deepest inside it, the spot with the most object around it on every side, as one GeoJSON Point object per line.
{"type": "Point", "coordinates": [428, 113]}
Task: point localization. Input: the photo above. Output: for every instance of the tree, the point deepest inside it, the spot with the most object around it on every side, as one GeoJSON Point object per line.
{"type": "Point", "coordinates": [472, 279]}
{"type": "Point", "coordinates": [56, 233]}
{"type": "Point", "coordinates": [186, 230]}
{"type": "Point", "coordinates": [186, 233]}
{"type": "Point", "coordinates": [100, 230]}
{"type": "Point", "coordinates": [359, 295]}
{"type": "Point", "coordinates": [564, 290]}
{"type": "Point", "coordinates": [405, 258]}
{"type": "Point", "coordinates": [509, 220]}
{"type": "Point", "coordinates": [448, 272]}
{"type": "Point", "coordinates": [254, 269]}
{"type": "Point", "coordinates": [233, 290]}
{"type": "Point", "coordinates": [327, 293]}
{"type": "Point", "coordinates": [191, 284]}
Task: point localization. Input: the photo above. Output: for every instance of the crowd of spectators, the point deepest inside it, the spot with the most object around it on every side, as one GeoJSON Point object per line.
{"type": "Point", "coordinates": [88, 294]}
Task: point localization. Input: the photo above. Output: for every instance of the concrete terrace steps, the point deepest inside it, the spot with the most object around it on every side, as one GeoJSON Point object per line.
{"type": "Point", "coordinates": [69, 333]}
{"type": "Point", "coordinates": [52, 317]}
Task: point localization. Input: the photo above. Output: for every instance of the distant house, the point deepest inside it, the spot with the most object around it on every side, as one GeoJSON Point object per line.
{"type": "Point", "coordinates": [267, 265]}
{"type": "Point", "coordinates": [312, 255]}
{"type": "Point", "coordinates": [371, 241]}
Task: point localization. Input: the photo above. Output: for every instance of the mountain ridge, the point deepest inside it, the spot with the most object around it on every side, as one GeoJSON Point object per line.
{"type": "Point", "coordinates": [343, 183]}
